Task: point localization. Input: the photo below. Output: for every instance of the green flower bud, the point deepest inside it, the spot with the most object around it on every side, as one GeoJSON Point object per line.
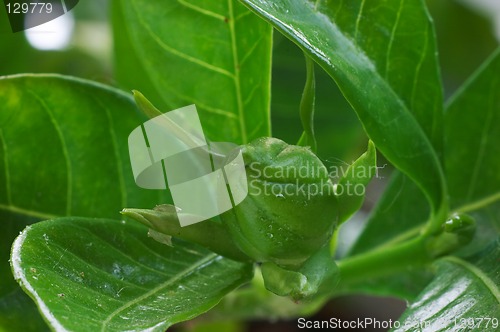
{"type": "Point", "coordinates": [457, 231]}
{"type": "Point", "coordinates": [291, 210]}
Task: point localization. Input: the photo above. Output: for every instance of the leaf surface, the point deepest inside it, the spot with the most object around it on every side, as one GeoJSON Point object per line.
{"type": "Point", "coordinates": [63, 150]}
{"type": "Point", "coordinates": [214, 54]}
{"type": "Point", "coordinates": [399, 215]}
{"type": "Point", "coordinates": [383, 59]}
{"type": "Point", "coordinates": [472, 163]}
{"type": "Point", "coordinates": [472, 132]}
{"type": "Point", "coordinates": [464, 292]}
{"type": "Point", "coordinates": [110, 275]}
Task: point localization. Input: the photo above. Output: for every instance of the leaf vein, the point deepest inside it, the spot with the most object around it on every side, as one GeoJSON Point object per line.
{"type": "Point", "coordinates": [490, 284]}
{"type": "Point", "coordinates": [120, 252]}
{"type": "Point", "coordinates": [6, 166]}
{"type": "Point", "coordinates": [358, 20]}
{"type": "Point", "coordinates": [417, 73]}
{"type": "Point", "coordinates": [480, 203]}
{"type": "Point", "coordinates": [114, 142]}
{"type": "Point", "coordinates": [251, 50]}
{"type": "Point", "coordinates": [26, 212]}
{"type": "Point", "coordinates": [391, 39]}
{"type": "Point", "coordinates": [178, 276]}
{"type": "Point", "coordinates": [484, 140]}
{"type": "Point", "coordinates": [65, 150]}
{"type": "Point", "coordinates": [180, 54]}
{"type": "Point", "coordinates": [201, 10]}
{"type": "Point", "coordinates": [236, 76]}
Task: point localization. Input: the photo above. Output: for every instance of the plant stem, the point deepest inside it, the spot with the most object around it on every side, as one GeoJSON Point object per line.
{"type": "Point", "coordinates": [307, 107]}
{"type": "Point", "coordinates": [384, 261]}
{"type": "Point", "coordinates": [434, 225]}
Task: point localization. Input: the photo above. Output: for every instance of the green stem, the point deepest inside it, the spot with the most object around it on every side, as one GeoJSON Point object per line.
{"type": "Point", "coordinates": [435, 224]}
{"type": "Point", "coordinates": [384, 261]}
{"type": "Point", "coordinates": [307, 107]}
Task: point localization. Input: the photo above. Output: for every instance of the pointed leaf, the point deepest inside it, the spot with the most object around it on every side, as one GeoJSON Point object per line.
{"type": "Point", "coordinates": [464, 296]}
{"type": "Point", "coordinates": [383, 59]}
{"type": "Point", "coordinates": [357, 175]}
{"type": "Point", "coordinates": [112, 276]}
{"type": "Point", "coordinates": [215, 54]}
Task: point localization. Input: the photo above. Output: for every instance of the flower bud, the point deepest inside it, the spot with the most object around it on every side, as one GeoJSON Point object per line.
{"type": "Point", "coordinates": [290, 211]}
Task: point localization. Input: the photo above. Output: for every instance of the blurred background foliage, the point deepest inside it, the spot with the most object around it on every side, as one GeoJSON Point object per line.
{"type": "Point", "coordinates": [467, 30]}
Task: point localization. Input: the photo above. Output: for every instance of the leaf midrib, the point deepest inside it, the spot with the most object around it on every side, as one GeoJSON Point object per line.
{"type": "Point", "coordinates": [479, 204]}
{"type": "Point", "coordinates": [65, 151]}
{"type": "Point", "coordinates": [490, 284]}
{"type": "Point", "coordinates": [483, 142]}
{"type": "Point", "coordinates": [184, 273]}
{"type": "Point", "coordinates": [28, 213]}
{"type": "Point", "coordinates": [6, 166]}
{"type": "Point", "coordinates": [234, 76]}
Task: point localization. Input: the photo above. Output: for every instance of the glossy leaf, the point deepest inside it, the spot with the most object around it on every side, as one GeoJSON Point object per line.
{"type": "Point", "coordinates": [212, 54]}
{"type": "Point", "coordinates": [472, 162]}
{"type": "Point", "coordinates": [463, 291]}
{"type": "Point", "coordinates": [383, 59]}
{"type": "Point", "coordinates": [110, 275]}
{"type": "Point", "coordinates": [63, 150]}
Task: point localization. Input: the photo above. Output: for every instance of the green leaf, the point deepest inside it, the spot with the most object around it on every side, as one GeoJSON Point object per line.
{"type": "Point", "coordinates": [472, 131]}
{"type": "Point", "coordinates": [472, 155]}
{"type": "Point", "coordinates": [460, 28]}
{"type": "Point", "coordinates": [400, 215]}
{"type": "Point", "coordinates": [383, 59]}
{"type": "Point", "coordinates": [112, 276]}
{"type": "Point", "coordinates": [63, 145]}
{"type": "Point", "coordinates": [357, 175]}
{"type": "Point", "coordinates": [462, 290]}
{"type": "Point", "coordinates": [63, 150]}
{"type": "Point", "coordinates": [216, 55]}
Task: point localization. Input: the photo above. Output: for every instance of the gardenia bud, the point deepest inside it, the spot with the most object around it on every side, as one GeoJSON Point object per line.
{"type": "Point", "coordinates": [290, 212]}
